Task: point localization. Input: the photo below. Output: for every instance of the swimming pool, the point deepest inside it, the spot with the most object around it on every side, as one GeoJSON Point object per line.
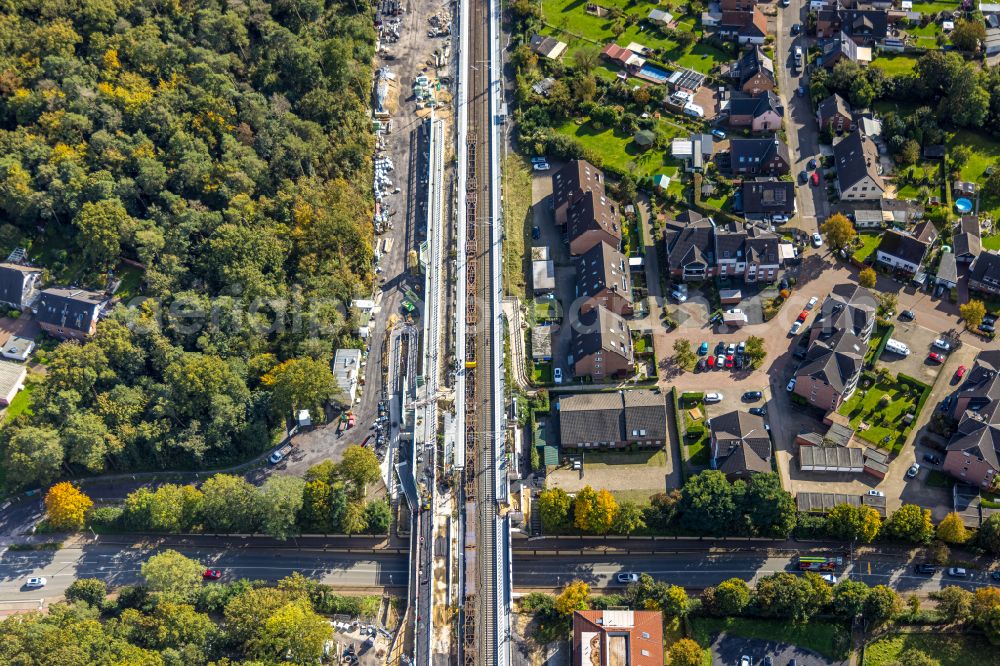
{"type": "Point", "coordinates": [654, 74]}
{"type": "Point", "coordinates": [963, 205]}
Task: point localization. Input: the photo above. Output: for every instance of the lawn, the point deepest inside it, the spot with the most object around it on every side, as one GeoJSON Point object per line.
{"type": "Point", "coordinates": [517, 223]}
{"type": "Point", "coordinates": [985, 153]}
{"type": "Point", "coordinates": [547, 309]}
{"type": "Point", "coordinates": [894, 65]}
{"type": "Point", "coordinates": [570, 16]}
{"type": "Point", "coordinates": [992, 242]}
{"type": "Point", "coordinates": [935, 7]}
{"type": "Point", "coordinates": [131, 277]}
{"type": "Point", "coordinates": [949, 649]}
{"type": "Point", "coordinates": [617, 149]}
{"type": "Point", "coordinates": [21, 402]}
{"type": "Point", "coordinates": [829, 639]}
{"type": "Point", "coordinates": [696, 448]}
{"type": "Point", "coordinates": [869, 243]}
{"type": "Point", "coordinates": [885, 421]}
{"type": "Point", "coordinates": [541, 373]}
{"type": "Point", "coordinates": [701, 58]}
{"type": "Point", "coordinates": [649, 457]}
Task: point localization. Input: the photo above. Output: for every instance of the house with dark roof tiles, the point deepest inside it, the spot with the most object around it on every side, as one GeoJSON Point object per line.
{"type": "Point", "coordinates": [859, 174]}
{"type": "Point", "coordinates": [984, 275]}
{"type": "Point", "coordinates": [758, 157]}
{"type": "Point", "coordinates": [761, 112]}
{"type": "Point", "coordinates": [603, 278]}
{"type": "Point", "coordinates": [68, 313]}
{"type": "Point", "coordinates": [612, 420]}
{"type": "Point", "coordinates": [19, 285]}
{"type": "Point", "coordinates": [740, 445]}
{"type": "Point", "coordinates": [904, 251]}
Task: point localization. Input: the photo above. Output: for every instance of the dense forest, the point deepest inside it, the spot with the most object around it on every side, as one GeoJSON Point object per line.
{"type": "Point", "coordinates": [224, 147]}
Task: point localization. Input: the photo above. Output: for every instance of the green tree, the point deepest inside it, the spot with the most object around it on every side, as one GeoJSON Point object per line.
{"type": "Point", "coordinates": [951, 529]}
{"type": "Point", "coordinates": [354, 521]}
{"type": "Point", "coordinates": [882, 605]}
{"type": "Point", "coordinates": [972, 312]}
{"type": "Point", "coordinates": [988, 535]}
{"type": "Point", "coordinates": [756, 351]}
{"type": "Point", "coordinates": [839, 232]}
{"type": "Point", "coordinates": [301, 383]}
{"type": "Point", "coordinates": [246, 612]}
{"type": "Point", "coordinates": [850, 597]}
{"type": "Point", "coordinates": [968, 34]}
{"type": "Point", "coordinates": [709, 503]}
{"type": "Point", "coordinates": [867, 278]}
{"type": "Point", "coordinates": [91, 591]}
{"type": "Point", "coordinates": [292, 633]}
{"type": "Point", "coordinates": [628, 519]}
{"type": "Point", "coordinates": [786, 595]}
{"type": "Point", "coordinates": [172, 575]}
{"type": "Point", "coordinates": [315, 515]}
{"type": "Point", "coordinates": [102, 226]}
{"type": "Point", "coordinates": [853, 523]}
{"type": "Point", "coordinates": [280, 503]}
{"type": "Point", "coordinates": [675, 601]}
{"type": "Point", "coordinates": [683, 355]}
{"type": "Point", "coordinates": [727, 599]}
{"type": "Point", "coordinates": [770, 508]}
{"type": "Point", "coordinates": [910, 523]}
{"type": "Point", "coordinates": [954, 603]}
{"type": "Point", "coordinates": [685, 652]}
{"type": "Point", "coordinates": [88, 441]}
{"type": "Point", "coordinates": [33, 455]}
{"type": "Point", "coordinates": [230, 505]}
{"type": "Point", "coordinates": [168, 626]}
{"type": "Point", "coordinates": [914, 657]}
{"type": "Point", "coordinates": [886, 304]}
{"type": "Point", "coordinates": [377, 517]}
{"type": "Point", "coordinates": [554, 509]}
{"type": "Point", "coordinates": [360, 466]}
{"type": "Point", "coordinates": [908, 153]}
{"type": "Point", "coordinates": [986, 612]}
{"type": "Point", "coordinates": [175, 508]}
{"type": "Point", "coordinates": [585, 59]}
{"type": "Point", "coordinates": [575, 596]}
{"type": "Point", "coordinates": [968, 101]}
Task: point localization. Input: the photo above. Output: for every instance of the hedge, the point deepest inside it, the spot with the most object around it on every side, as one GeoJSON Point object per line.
{"type": "Point", "coordinates": [925, 393]}
{"type": "Point", "coordinates": [881, 346]}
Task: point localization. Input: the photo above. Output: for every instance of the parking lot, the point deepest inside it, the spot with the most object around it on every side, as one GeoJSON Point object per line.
{"type": "Point", "coordinates": [916, 365]}
{"type": "Point", "coordinates": [727, 650]}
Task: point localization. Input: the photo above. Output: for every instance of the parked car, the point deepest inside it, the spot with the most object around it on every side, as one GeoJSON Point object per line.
{"type": "Point", "coordinates": [875, 493]}
{"type": "Point", "coordinates": [829, 578]}
{"type": "Point", "coordinates": [212, 574]}
{"type": "Point", "coordinates": [543, 166]}
{"type": "Point", "coordinates": [913, 471]}
{"type": "Point", "coordinates": [960, 372]}
{"type": "Point", "coordinates": [796, 28]}
{"type": "Point", "coordinates": [742, 347]}
{"type": "Point", "coordinates": [752, 396]}
{"type": "Point", "coordinates": [803, 316]}
{"type": "Point", "coordinates": [720, 348]}
{"type": "Point", "coordinates": [730, 361]}
{"type": "Point", "coordinates": [703, 349]}
{"type": "Point", "coordinates": [791, 385]}
{"type": "Point", "coordinates": [746, 661]}
{"type": "Point", "coordinates": [934, 356]}
{"type": "Point", "coordinates": [279, 454]}
{"type": "Point", "coordinates": [803, 177]}
{"type": "Point", "coordinates": [718, 134]}
{"type": "Point", "coordinates": [941, 344]}
{"type": "Point", "coordinates": [758, 411]}
{"type": "Point", "coordinates": [907, 315]}
{"type": "Point", "coordinates": [812, 303]}
{"type": "Point", "coordinates": [713, 397]}
{"type": "Point", "coordinates": [34, 583]}
{"type": "Point", "coordinates": [987, 327]}
{"type": "Point", "coordinates": [932, 459]}
{"type": "Point", "coordinates": [817, 240]}
{"type": "Point", "coordinates": [678, 296]}
{"type": "Point", "coordinates": [815, 179]}
{"type": "Point", "coordinates": [796, 327]}
{"type": "Point", "coordinates": [536, 233]}
{"type": "Point", "coordinates": [812, 164]}
{"type": "Point", "coordinates": [711, 362]}
{"type": "Point", "coordinates": [627, 578]}
{"type": "Point", "coordinates": [801, 91]}
{"type": "Point", "coordinates": [731, 348]}
{"type": "Point", "coordinates": [720, 362]}
{"type": "Point", "coordinates": [557, 375]}
{"type": "Point", "coordinates": [925, 569]}
{"type": "Point", "coordinates": [957, 572]}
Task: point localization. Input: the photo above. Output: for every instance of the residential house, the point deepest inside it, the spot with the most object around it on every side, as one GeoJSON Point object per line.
{"type": "Point", "coordinates": [543, 270]}
{"type": "Point", "coordinates": [761, 112]}
{"type": "Point", "coordinates": [984, 275]}
{"type": "Point", "coordinates": [18, 285]}
{"type": "Point", "coordinates": [835, 113]}
{"type": "Point", "coordinates": [838, 342]}
{"type": "Point", "coordinates": [548, 47]}
{"type": "Point", "coordinates": [617, 638]}
{"type": "Point", "coordinates": [868, 219]}
{"type": "Point", "coordinates": [839, 48]}
{"type": "Point", "coordinates": [602, 346]}
{"type": "Point", "coordinates": [947, 272]}
{"type": "Point", "coordinates": [690, 245]}
{"type": "Point", "coordinates": [603, 278]}
{"type": "Point", "coordinates": [12, 377]}
{"type": "Point", "coordinates": [758, 157]}
{"type": "Point", "coordinates": [973, 453]}
{"type": "Point", "coordinates": [859, 175]}
{"type": "Point", "coordinates": [737, 5]}
{"type": "Point", "coordinates": [570, 184]}
{"type": "Point", "coordinates": [749, 253]}
{"type": "Point", "coordinates": [991, 46]}
{"type": "Point", "coordinates": [592, 219]}
{"type": "Point", "coordinates": [347, 371]}
{"type": "Point", "coordinates": [864, 26]}
{"type": "Point", "coordinates": [753, 73]}
{"type": "Point", "coordinates": [904, 251]}
{"type": "Point", "coordinates": [745, 27]}
{"type": "Point", "coordinates": [69, 313]}
{"type": "Point", "coordinates": [622, 57]}
{"type": "Point", "coordinates": [740, 445]}
{"type": "Point", "coordinates": [612, 420]}
{"type": "Point", "coordinates": [541, 342]}
{"type": "Point", "coordinates": [901, 213]}
{"type": "Point", "coordinates": [766, 198]}
{"type": "Point", "coordinates": [660, 17]}
{"type": "Point", "coordinates": [967, 240]}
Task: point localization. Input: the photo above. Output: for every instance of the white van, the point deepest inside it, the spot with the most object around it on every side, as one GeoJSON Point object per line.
{"type": "Point", "coordinates": [694, 110]}
{"type": "Point", "coordinates": [897, 347]}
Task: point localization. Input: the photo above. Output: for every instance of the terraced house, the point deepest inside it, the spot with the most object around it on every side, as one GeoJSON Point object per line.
{"type": "Point", "coordinates": [697, 248]}
{"type": "Point", "coordinates": [973, 454]}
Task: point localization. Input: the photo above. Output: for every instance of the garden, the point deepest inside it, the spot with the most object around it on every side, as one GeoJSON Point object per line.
{"type": "Point", "coordinates": [697, 435]}
{"type": "Point", "coordinates": [879, 408]}
{"type": "Point", "coordinates": [618, 150]}
{"type": "Point", "coordinates": [868, 245]}
{"type": "Point", "coordinates": [832, 640]}
{"type": "Point", "coordinates": [895, 65]}
{"type": "Point", "coordinates": [948, 649]}
{"type": "Point", "coordinates": [984, 153]}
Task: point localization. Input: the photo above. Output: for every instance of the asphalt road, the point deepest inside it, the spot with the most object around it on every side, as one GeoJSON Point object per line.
{"type": "Point", "coordinates": [119, 565]}
{"type": "Point", "coordinates": [699, 570]}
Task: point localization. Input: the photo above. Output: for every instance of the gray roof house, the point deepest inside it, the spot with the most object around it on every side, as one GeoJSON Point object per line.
{"type": "Point", "coordinates": [622, 418]}
{"type": "Point", "coordinates": [985, 273]}
{"type": "Point", "coordinates": [18, 284]}
{"type": "Point", "coordinates": [766, 197]}
{"type": "Point", "coordinates": [858, 171]}
{"type": "Point", "coordinates": [947, 273]}
{"type": "Point", "coordinates": [967, 241]}
{"type": "Point", "coordinates": [741, 444]}
{"type": "Point", "coordinates": [68, 312]}
{"type": "Point", "coordinates": [904, 251]}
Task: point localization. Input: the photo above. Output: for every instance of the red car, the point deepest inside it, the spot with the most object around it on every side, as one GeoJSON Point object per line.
{"type": "Point", "coordinates": [212, 574]}
{"type": "Point", "coordinates": [960, 372]}
{"type": "Point", "coordinates": [729, 361]}
{"type": "Point", "coordinates": [803, 315]}
{"type": "Point", "coordinates": [814, 178]}
{"type": "Point", "coordinates": [711, 361]}
{"type": "Point", "coordinates": [934, 356]}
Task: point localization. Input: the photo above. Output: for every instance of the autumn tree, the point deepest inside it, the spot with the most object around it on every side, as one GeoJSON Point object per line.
{"type": "Point", "coordinates": [602, 515]}
{"type": "Point", "coordinates": [361, 467]}
{"type": "Point", "coordinates": [867, 277]}
{"type": "Point", "coordinates": [972, 312]}
{"type": "Point", "coordinates": [354, 521]}
{"type": "Point", "coordinates": [554, 509]}
{"type": "Point", "coordinates": [685, 652]}
{"type": "Point", "coordinates": [951, 529]}
{"type": "Point", "coordinates": [301, 383]}
{"type": "Point", "coordinates": [839, 232]}
{"type": "Point", "coordinates": [853, 522]}
{"type": "Point", "coordinates": [575, 596]}
{"type": "Point", "coordinates": [954, 603]}
{"type": "Point", "coordinates": [583, 505]}
{"type": "Point", "coordinates": [986, 612]}
{"type": "Point", "coordinates": [727, 599]}
{"type": "Point", "coordinates": [292, 633]}
{"type": "Point", "coordinates": [172, 575]}
{"type": "Point", "coordinates": [882, 604]}
{"type": "Point", "coordinates": [910, 523]}
{"type": "Point", "coordinates": [66, 507]}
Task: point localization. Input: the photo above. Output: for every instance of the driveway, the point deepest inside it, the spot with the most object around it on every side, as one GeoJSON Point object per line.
{"type": "Point", "coordinates": [727, 650]}
{"type": "Point", "coordinates": [916, 364]}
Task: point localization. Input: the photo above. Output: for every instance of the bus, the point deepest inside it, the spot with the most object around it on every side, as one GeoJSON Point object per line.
{"type": "Point", "coordinates": [810, 563]}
